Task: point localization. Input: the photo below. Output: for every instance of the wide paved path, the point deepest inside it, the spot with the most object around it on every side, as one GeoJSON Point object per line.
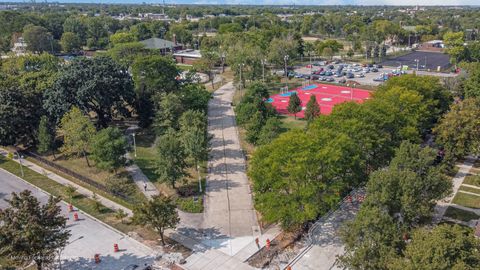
{"type": "Point", "coordinates": [89, 236]}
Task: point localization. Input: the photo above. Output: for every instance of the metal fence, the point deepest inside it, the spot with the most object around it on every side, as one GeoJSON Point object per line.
{"type": "Point", "coordinates": [77, 176]}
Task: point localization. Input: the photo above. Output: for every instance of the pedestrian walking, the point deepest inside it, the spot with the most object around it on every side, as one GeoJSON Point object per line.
{"type": "Point", "coordinates": [145, 186]}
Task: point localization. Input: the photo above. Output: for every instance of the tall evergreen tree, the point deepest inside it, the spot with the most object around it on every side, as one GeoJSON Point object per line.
{"type": "Point", "coordinates": [313, 109]}
{"type": "Point", "coordinates": [294, 104]}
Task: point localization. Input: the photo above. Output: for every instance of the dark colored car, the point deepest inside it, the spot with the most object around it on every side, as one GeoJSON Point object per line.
{"type": "Point", "coordinates": [350, 75]}
{"type": "Point", "coordinates": [331, 67]}
{"type": "Point", "coordinates": [328, 73]}
{"type": "Point", "coordinates": [342, 80]}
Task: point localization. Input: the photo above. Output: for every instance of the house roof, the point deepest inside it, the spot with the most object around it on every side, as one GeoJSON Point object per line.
{"type": "Point", "coordinates": [189, 53]}
{"type": "Point", "coordinates": [158, 43]}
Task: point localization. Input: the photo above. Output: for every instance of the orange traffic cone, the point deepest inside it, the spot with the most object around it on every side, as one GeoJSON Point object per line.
{"type": "Point", "coordinates": [97, 258]}
{"type": "Point", "coordinates": [115, 247]}
{"type": "Point", "coordinates": [289, 267]}
{"type": "Point", "coordinates": [268, 243]}
{"type": "Point", "coordinates": [75, 217]}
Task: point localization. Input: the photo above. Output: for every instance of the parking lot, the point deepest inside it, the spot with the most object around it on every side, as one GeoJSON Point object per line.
{"type": "Point", "coordinates": [362, 75]}
{"type": "Point", "coordinates": [426, 61]}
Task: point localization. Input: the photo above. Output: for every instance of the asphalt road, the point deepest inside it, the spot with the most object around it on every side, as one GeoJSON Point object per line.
{"type": "Point", "coordinates": [88, 236]}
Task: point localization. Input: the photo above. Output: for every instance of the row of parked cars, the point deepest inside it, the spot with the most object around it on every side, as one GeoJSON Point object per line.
{"type": "Point", "coordinates": [349, 71]}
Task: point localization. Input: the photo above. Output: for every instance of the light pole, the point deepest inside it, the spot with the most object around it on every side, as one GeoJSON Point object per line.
{"type": "Point", "coordinates": [223, 62]}
{"type": "Point", "coordinates": [264, 62]}
{"type": "Point", "coordinates": [134, 145]}
{"type": "Point", "coordinates": [416, 60]}
{"type": "Point", "coordinates": [285, 59]}
{"type": "Point", "coordinates": [20, 162]}
{"type": "Point", "coordinates": [199, 179]}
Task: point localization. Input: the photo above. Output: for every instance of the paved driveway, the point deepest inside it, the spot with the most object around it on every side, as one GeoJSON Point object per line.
{"type": "Point", "coordinates": [88, 235]}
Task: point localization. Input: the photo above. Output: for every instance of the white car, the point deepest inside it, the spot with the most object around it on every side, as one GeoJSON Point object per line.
{"type": "Point", "coordinates": [360, 75]}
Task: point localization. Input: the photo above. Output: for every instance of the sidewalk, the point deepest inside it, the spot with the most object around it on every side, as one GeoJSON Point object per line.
{"type": "Point", "coordinates": [138, 177]}
{"type": "Point", "coordinates": [457, 181]}
{"type": "Point", "coordinates": [81, 190]}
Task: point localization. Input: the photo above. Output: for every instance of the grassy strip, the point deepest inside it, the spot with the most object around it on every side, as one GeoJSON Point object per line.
{"type": "Point", "coordinates": [467, 200]}
{"type": "Point", "coordinates": [460, 214]}
{"type": "Point", "coordinates": [473, 180]}
{"type": "Point", "coordinates": [137, 196]}
{"type": "Point", "coordinates": [470, 189]}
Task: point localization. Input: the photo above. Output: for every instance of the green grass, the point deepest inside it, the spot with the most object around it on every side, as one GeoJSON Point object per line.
{"type": "Point", "coordinates": [135, 197]}
{"type": "Point", "coordinates": [470, 189]}
{"type": "Point", "coordinates": [186, 190]}
{"type": "Point", "coordinates": [460, 214]}
{"type": "Point", "coordinates": [289, 122]}
{"type": "Point", "coordinates": [467, 200]}
{"type": "Point", "coordinates": [473, 180]}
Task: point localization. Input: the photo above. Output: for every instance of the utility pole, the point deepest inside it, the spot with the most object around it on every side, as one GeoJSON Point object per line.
{"type": "Point", "coordinates": [285, 58]}
{"type": "Point", "coordinates": [134, 144]}
{"type": "Point", "coordinates": [264, 62]}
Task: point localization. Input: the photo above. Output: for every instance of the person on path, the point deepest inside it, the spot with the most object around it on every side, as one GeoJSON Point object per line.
{"type": "Point", "coordinates": [145, 186]}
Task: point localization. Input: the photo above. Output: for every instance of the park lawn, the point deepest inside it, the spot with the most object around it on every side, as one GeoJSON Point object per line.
{"type": "Point", "coordinates": [470, 189]}
{"type": "Point", "coordinates": [289, 122]}
{"type": "Point", "coordinates": [83, 203]}
{"type": "Point", "coordinates": [473, 180]}
{"type": "Point", "coordinates": [186, 193]}
{"type": "Point", "coordinates": [467, 200]}
{"type": "Point", "coordinates": [459, 214]}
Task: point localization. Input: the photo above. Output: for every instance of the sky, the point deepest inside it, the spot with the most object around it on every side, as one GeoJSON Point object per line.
{"type": "Point", "coordinates": [280, 2]}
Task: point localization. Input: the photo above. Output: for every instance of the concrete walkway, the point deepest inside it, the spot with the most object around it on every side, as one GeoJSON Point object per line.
{"type": "Point", "coordinates": [63, 181]}
{"type": "Point", "coordinates": [457, 181]}
{"type": "Point", "coordinates": [138, 176]}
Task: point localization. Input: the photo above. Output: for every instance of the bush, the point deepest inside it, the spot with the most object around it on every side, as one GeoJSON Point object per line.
{"type": "Point", "coordinates": [189, 205]}
{"type": "Point", "coordinates": [120, 185]}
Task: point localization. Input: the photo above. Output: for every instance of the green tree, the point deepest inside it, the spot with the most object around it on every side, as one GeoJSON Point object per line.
{"type": "Point", "coordinates": [96, 85]}
{"type": "Point", "coordinates": [78, 132]}
{"type": "Point", "coordinates": [38, 39]}
{"type": "Point", "coordinates": [122, 37]}
{"type": "Point", "coordinates": [313, 109]}
{"type": "Point", "coordinates": [152, 75]}
{"type": "Point", "coordinates": [254, 127]}
{"type": "Point", "coordinates": [46, 136]}
{"type": "Point", "coordinates": [458, 131]}
{"type": "Point", "coordinates": [171, 163]}
{"type": "Point", "coordinates": [294, 104]}
{"type": "Point", "coordinates": [471, 84]}
{"type": "Point", "coordinates": [74, 24]}
{"type": "Point", "coordinates": [454, 43]}
{"type": "Point", "coordinates": [159, 212]}
{"type": "Point", "coordinates": [194, 137]}
{"type": "Point", "coordinates": [70, 42]}
{"type": "Point", "coordinates": [410, 186]}
{"type": "Point", "coordinates": [109, 146]}
{"type": "Point", "coordinates": [371, 240]}
{"type": "Point", "coordinates": [126, 53]}
{"type": "Point", "coordinates": [270, 131]}
{"type": "Point", "coordinates": [442, 248]}
{"type": "Point", "coordinates": [30, 231]}
{"type": "Point", "coordinates": [169, 110]}
{"type": "Point", "coordinates": [292, 179]}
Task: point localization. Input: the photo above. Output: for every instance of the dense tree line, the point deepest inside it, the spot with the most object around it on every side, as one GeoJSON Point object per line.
{"type": "Point", "coordinates": [300, 175]}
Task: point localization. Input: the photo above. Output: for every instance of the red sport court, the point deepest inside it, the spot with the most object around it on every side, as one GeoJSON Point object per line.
{"type": "Point", "coordinates": [327, 96]}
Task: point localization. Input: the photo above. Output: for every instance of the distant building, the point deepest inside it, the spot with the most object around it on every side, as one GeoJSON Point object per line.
{"type": "Point", "coordinates": [163, 45]}
{"type": "Point", "coordinates": [187, 57]}
{"type": "Point", "coordinates": [432, 46]}
{"type": "Point", "coordinates": [19, 46]}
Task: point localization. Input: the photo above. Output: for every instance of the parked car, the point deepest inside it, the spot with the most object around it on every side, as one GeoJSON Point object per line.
{"type": "Point", "coordinates": [342, 80]}
{"type": "Point", "coordinates": [328, 73]}
{"type": "Point", "coordinates": [350, 75]}
{"type": "Point", "coordinates": [322, 73]}
{"type": "Point", "coordinates": [331, 67]}
{"type": "Point", "coordinates": [298, 75]}
{"type": "Point", "coordinates": [330, 79]}
{"type": "Point", "coordinates": [315, 77]}
{"type": "Point", "coordinates": [322, 79]}
{"type": "Point", "coordinates": [379, 79]}
{"type": "Point", "coordinates": [374, 69]}
{"type": "Point", "coordinates": [360, 75]}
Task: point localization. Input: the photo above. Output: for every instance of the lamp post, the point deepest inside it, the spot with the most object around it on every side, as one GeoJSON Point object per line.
{"type": "Point", "coordinates": [199, 179]}
{"type": "Point", "coordinates": [264, 62]}
{"type": "Point", "coordinates": [20, 162]}
{"type": "Point", "coordinates": [285, 59]}
{"type": "Point", "coordinates": [223, 62]}
{"type": "Point", "coordinates": [134, 145]}
{"type": "Point", "coordinates": [416, 60]}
